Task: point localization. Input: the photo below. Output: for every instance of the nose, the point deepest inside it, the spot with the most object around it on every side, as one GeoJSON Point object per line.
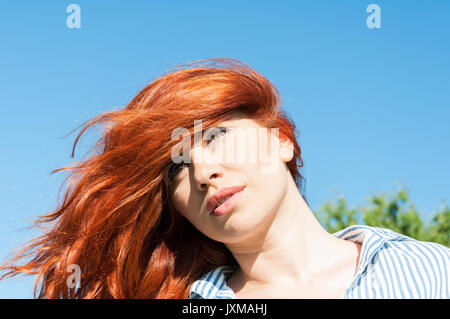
{"type": "Point", "coordinates": [205, 172]}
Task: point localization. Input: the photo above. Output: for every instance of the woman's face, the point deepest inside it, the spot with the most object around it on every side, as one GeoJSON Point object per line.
{"type": "Point", "coordinates": [241, 153]}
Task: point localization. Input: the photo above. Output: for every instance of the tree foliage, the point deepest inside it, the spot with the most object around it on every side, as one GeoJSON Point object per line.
{"type": "Point", "coordinates": [392, 211]}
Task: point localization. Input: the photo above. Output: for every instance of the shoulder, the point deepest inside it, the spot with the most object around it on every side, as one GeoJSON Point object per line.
{"type": "Point", "coordinates": [394, 265]}
{"type": "Point", "coordinates": [411, 251]}
{"type": "Point", "coordinates": [413, 268]}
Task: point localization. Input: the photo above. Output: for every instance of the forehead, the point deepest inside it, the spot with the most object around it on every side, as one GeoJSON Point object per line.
{"type": "Point", "coordinates": [238, 118]}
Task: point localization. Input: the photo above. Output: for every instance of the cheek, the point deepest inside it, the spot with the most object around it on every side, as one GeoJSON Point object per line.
{"type": "Point", "coordinates": [270, 182]}
{"type": "Point", "coordinates": [185, 203]}
{"type": "Point", "coordinates": [180, 201]}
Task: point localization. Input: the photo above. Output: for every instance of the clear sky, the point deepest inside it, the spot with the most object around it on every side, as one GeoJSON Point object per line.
{"type": "Point", "coordinates": [372, 105]}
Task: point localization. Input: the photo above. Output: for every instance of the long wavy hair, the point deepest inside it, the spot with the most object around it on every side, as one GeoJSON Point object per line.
{"type": "Point", "coordinates": [116, 221]}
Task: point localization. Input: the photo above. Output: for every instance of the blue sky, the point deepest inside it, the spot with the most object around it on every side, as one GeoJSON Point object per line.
{"type": "Point", "coordinates": [372, 105]}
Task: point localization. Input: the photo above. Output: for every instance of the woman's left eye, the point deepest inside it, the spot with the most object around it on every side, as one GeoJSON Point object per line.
{"type": "Point", "coordinates": [215, 133]}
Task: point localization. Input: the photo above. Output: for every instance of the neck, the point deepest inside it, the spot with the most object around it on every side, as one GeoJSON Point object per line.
{"type": "Point", "coordinates": [292, 247]}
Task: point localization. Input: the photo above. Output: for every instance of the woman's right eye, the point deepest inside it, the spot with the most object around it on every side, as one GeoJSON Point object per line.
{"type": "Point", "coordinates": [174, 169]}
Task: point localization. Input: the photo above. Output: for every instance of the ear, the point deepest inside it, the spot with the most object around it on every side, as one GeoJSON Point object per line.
{"type": "Point", "coordinates": [286, 149]}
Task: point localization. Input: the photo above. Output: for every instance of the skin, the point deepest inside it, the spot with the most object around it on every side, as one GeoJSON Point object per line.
{"type": "Point", "coordinates": [281, 248]}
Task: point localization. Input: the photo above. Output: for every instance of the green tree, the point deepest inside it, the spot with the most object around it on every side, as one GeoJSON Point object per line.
{"type": "Point", "coordinates": [392, 211]}
{"type": "Point", "coordinates": [439, 229]}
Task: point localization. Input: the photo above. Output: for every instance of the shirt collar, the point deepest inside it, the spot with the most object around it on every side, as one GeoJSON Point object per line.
{"type": "Point", "coordinates": [371, 239]}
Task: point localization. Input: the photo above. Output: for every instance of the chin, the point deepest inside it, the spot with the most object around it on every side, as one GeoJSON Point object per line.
{"type": "Point", "coordinates": [238, 227]}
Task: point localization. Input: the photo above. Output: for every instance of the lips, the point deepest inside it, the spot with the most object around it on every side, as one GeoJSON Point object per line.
{"type": "Point", "coordinates": [220, 195]}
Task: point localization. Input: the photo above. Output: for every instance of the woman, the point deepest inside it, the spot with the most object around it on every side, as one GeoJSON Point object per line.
{"type": "Point", "coordinates": [160, 211]}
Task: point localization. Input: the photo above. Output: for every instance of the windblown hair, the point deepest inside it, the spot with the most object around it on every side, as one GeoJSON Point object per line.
{"type": "Point", "coordinates": [116, 221]}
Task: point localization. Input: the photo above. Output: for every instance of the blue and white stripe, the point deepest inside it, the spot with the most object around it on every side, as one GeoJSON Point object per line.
{"type": "Point", "coordinates": [391, 266]}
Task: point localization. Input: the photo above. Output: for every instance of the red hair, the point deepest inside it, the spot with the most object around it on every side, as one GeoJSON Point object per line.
{"type": "Point", "coordinates": [116, 221]}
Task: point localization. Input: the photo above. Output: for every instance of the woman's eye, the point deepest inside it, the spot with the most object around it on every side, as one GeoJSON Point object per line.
{"type": "Point", "coordinates": [174, 169]}
{"type": "Point", "coordinates": [216, 133]}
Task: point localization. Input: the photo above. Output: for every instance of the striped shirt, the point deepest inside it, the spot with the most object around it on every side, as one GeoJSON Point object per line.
{"type": "Point", "coordinates": [390, 266]}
